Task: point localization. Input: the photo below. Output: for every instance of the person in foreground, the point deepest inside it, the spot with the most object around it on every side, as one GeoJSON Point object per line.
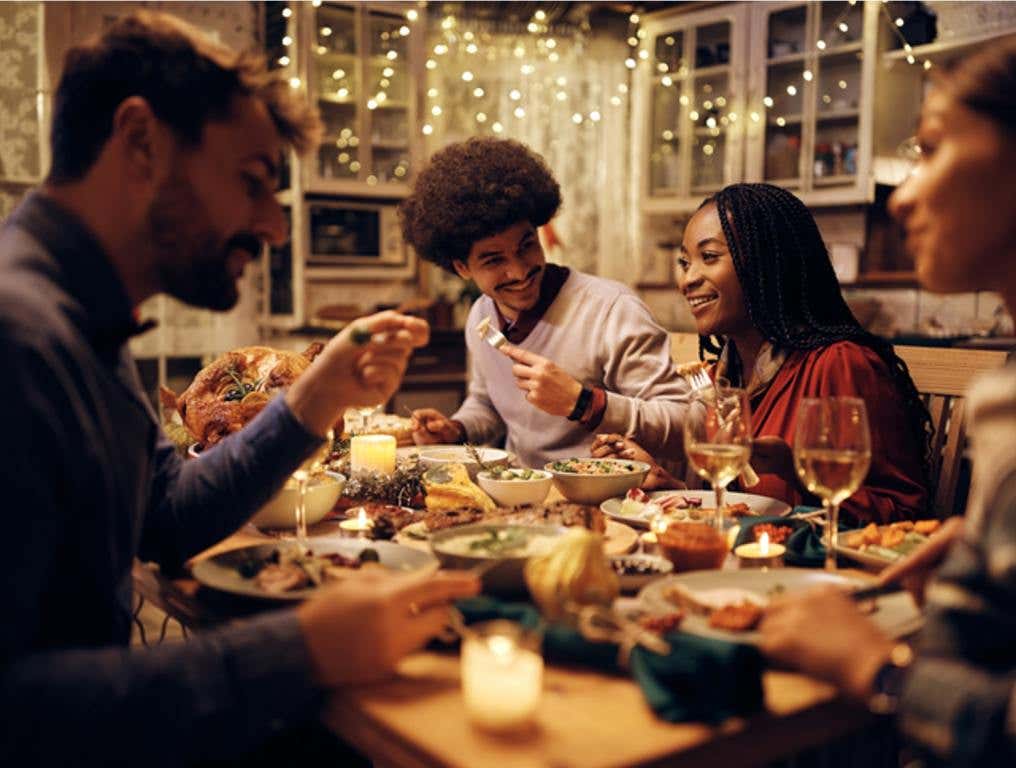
{"type": "Point", "coordinates": [582, 353]}
{"type": "Point", "coordinates": [955, 694]}
{"type": "Point", "coordinates": [165, 152]}
{"type": "Point", "coordinates": [757, 276]}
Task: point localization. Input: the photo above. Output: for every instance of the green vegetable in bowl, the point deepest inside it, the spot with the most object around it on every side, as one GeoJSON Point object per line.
{"type": "Point", "coordinates": [499, 542]}
{"type": "Point", "coordinates": [513, 474]}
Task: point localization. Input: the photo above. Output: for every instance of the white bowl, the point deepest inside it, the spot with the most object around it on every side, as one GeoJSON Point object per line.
{"type": "Point", "coordinates": [588, 488]}
{"type": "Point", "coordinates": [280, 511]}
{"type": "Point", "coordinates": [512, 493]}
{"type": "Point", "coordinates": [438, 456]}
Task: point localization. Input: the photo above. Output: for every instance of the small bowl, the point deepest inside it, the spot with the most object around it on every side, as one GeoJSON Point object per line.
{"type": "Point", "coordinates": [649, 567]}
{"type": "Point", "coordinates": [590, 488]}
{"type": "Point", "coordinates": [513, 493]}
{"type": "Point", "coordinates": [693, 546]}
{"type": "Point", "coordinates": [501, 575]}
{"type": "Point", "coordinates": [280, 511]}
{"type": "Point", "coordinates": [438, 456]}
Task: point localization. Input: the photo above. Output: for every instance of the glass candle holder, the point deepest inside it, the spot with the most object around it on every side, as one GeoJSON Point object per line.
{"type": "Point", "coordinates": [502, 675]}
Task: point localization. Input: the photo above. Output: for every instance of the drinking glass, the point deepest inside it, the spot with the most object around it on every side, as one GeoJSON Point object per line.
{"type": "Point", "coordinates": [832, 452]}
{"type": "Point", "coordinates": [302, 474]}
{"type": "Point", "coordinates": [717, 438]}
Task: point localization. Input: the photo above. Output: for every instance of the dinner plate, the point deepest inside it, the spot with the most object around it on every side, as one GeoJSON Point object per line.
{"type": "Point", "coordinates": [896, 614]}
{"type": "Point", "coordinates": [760, 505]}
{"type": "Point", "coordinates": [618, 539]}
{"type": "Point", "coordinates": [221, 571]}
{"type": "Point", "coordinates": [864, 557]}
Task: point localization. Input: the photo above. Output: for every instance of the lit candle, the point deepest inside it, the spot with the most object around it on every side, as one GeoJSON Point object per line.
{"type": "Point", "coordinates": [358, 525]}
{"type": "Point", "coordinates": [760, 554]}
{"type": "Point", "coordinates": [372, 453]}
{"type": "Point", "coordinates": [502, 676]}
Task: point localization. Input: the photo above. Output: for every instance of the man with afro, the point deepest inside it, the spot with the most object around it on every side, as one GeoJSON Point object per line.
{"type": "Point", "coordinates": [583, 353]}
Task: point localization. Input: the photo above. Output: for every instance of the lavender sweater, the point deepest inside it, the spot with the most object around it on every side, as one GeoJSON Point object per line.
{"type": "Point", "coordinates": [601, 333]}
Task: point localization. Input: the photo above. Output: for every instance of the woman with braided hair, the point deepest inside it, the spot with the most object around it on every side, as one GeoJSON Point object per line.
{"type": "Point", "coordinates": [768, 306]}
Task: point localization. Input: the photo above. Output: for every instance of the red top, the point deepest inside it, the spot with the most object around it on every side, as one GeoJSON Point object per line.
{"type": "Point", "coordinates": [894, 488]}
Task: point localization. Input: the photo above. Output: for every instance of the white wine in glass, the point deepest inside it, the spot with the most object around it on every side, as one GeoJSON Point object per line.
{"type": "Point", "coordinates": [832, 453]}
{"type": "Point", "coordinates": [717, 438]}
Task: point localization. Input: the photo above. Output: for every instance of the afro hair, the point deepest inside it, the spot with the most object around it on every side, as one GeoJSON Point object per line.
{"type": "Point", "coordinates": [472, 190]}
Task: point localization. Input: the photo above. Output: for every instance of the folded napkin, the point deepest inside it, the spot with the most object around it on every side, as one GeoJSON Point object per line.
{"type": "Point", "coordinates": [804, 547]}
{"type": "Point", "coordinates": [701, 679]}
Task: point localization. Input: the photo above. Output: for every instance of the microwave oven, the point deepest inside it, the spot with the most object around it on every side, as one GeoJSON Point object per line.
{"type": "Point", "coordinates": [356, 240]}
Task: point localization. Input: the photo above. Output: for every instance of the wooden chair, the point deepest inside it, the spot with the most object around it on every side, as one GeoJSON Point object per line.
{"type": "Point", "coordinates": [942, 376]}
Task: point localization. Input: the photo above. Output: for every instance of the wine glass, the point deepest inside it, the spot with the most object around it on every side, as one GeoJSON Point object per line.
{"type": "Point", "coordinates": [302, 474]}
{"type": "Point", "coordinates": [717, 438]}
{"type": "Point", "coordinates": [832, 452]}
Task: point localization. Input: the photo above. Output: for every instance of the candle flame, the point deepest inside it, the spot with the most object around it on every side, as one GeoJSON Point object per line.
{"type": "Point", "coordinates": [361, 518]}
{"type": "Point", "coordinates": [763, 544]}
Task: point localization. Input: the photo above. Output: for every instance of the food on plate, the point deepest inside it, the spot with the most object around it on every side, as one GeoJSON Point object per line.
{"type": "Point", "coordinates": [449, 487]}
{"type": "Point", "coordinates": [736, 617]}
{"type": "Point", "coordinates": [594, 466]}
{"type": "Point", "coordinates": [637, 566]}
{"type": "Point", "coordinates": [573, 572]}
{"type": "Point", "coordinates": [662, 623]}
{"type": "Point", "coordinates": [386, 519]}
{"type": "Point", "coordinates": [739, 509]}
{"type": "Point", "coordinates": [564, 513]}
{"type": "Point", "coordinates": [511, 541]}
{"type": "Point", "coordinates": [639, 504]}
{"type": "Point", "coordinates": [892, 541]}
{"type": "Point", "coordinates": [234, 388]}
{"type": "Point", "coordinates": [288, 570]}
{"type": "Point", "coordinates": [693, 546]}
{"type": "Point", "coordinates": [778, 534]}
{"type": "Point", "coordinates": [439, 519]}
{"type": "Point", "coordinates": [729, 608]}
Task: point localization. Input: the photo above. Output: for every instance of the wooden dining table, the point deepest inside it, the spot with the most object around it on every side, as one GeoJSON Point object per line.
{"type": "Point", "coordinates": [587, 718]}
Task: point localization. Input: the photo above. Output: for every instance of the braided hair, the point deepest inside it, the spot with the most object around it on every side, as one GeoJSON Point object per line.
{"type": "Point", "coordinates": [790, 290]}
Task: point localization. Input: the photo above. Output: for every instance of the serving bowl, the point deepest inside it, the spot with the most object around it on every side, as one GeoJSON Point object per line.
{"type": "Point", "coordinates": [693, 546]}
{"type": "Point", "coordinates": [322, 493]}
{"type": "Point", "coordinates": [438, 456]}
{"type": "Point", "coordinates": [605, 478]}
{"type": "Point", "coordinates": [635, 571]}
{"type": "Point", "coordinates": [515, 491]}
{"type": "Point", "coordinates": [502, 572]}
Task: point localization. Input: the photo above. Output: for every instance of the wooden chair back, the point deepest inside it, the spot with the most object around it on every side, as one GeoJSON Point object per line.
{"type": "Point", "coordinates": [942, 376]}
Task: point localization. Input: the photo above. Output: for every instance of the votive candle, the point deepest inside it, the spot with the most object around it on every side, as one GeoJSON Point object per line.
{"type": "Point", "coordinates": [502, 676]}
{"type": "Point", "coordinates": [372, 453]}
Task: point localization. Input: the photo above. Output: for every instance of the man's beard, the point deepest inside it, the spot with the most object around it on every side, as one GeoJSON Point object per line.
{"type": "Point", "coordinates": [190, 258]}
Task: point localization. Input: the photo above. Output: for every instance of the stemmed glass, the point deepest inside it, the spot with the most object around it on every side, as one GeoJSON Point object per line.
{"type": "Point", "coordinates": [832, 452]}
{"type": "Point", "coordinates": [301, 475]}
{"type": "Point", "coordinates": [717, 438]}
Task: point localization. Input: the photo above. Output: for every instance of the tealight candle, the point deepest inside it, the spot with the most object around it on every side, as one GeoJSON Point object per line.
{"type": "Point", "coordinates": [372, 453]}
{"type": "Point", "coordinates": [760, 554]}
{"type": "Point", "coordinates": [358, 525]}
{"type": "Point", "coordinates": [502, 675]}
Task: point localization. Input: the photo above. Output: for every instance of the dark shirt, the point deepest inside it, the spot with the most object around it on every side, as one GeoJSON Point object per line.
{"type": "Point", "coordinates": [89, 483]}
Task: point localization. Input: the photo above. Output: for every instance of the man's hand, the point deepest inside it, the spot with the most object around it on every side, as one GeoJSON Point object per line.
{"type": "Point", "coordinates": [431, 426]}
{"type": "Point", "coordinates": [547, 387]}
{"type": "Point", "coordinates": [914, 571]}
{"type": "Point", "coordinates": [358, 630]}
{"type": "Point", "coordinates": [363, 365]}
{"type": "Point", "coordinates": [824, 635]}
{"type": "Point", "coordinates": [614, 446]}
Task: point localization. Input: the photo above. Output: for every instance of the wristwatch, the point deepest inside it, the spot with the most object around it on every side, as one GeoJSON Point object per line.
{"type": "Point", "coordinates": [888, 684]}
{"type": "Point", "coordinates": [581, 404]}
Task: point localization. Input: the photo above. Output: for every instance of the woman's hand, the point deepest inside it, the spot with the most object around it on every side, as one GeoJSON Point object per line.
{"type": "Point", "coordinates": [358, 630]}
{"type": "Point", "coordinates": [363, 365]}
{"type": "Point", "coordinates": [914, 571]}
{"type": "Point", "coordinates": [548, 387]}
{"type": "Point", "coordinates": [431, 427]}
{"type": "Point", "coordinates": [822, 634]}
{"type": "Point", "coordinates": [615, 446]}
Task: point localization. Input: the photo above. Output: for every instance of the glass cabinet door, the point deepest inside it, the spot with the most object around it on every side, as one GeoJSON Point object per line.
{"type": "Point", "coordinates": [388, 98]}
{"type": "Point", "coordinates": [336, 83]}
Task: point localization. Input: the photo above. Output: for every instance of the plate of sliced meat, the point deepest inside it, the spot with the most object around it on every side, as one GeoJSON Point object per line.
{"type": "Point", "coordinates": [638, 508]}
{"type": "Point", "coordinates": [619, 539]}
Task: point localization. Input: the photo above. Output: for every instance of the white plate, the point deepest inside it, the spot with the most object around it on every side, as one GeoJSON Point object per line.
{"type": "Point", "coordinates": [220, 571]}
{"type": "Point", "coordinates": [618, 539]}
{"type": "Point", "coordinates": [760, 505]}
{"type": "Point", "coordinates": [896, 614]}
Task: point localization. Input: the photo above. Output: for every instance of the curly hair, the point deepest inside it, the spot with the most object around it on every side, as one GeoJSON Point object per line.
{"type": "Point", "coordinates": [472, 190]}
{"type": "Point", "coordinates": [187, 78]}
{"type": "Point", "coordinates": [791, 292]}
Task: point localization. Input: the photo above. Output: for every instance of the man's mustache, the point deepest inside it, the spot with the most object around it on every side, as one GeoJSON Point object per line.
{"type": "Point", "coordinates": [512, 283]}
{"type": "Point", "coordinates": [244, 241]}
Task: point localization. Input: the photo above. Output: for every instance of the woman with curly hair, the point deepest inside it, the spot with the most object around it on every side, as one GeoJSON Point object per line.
{"type": "Point", "coordinates": [582, 352]}
{"type": "Point", "coordinates": [765, 299]}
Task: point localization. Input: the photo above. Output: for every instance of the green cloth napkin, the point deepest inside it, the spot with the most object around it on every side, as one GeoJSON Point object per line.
{"type": "Point", "coordinates": [701, 679]}
{"type": "Point", "coordinates": [804, 547]}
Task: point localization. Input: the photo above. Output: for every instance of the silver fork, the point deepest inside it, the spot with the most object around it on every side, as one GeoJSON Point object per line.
{"type": "Point", "coordinates": [700, 381]}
